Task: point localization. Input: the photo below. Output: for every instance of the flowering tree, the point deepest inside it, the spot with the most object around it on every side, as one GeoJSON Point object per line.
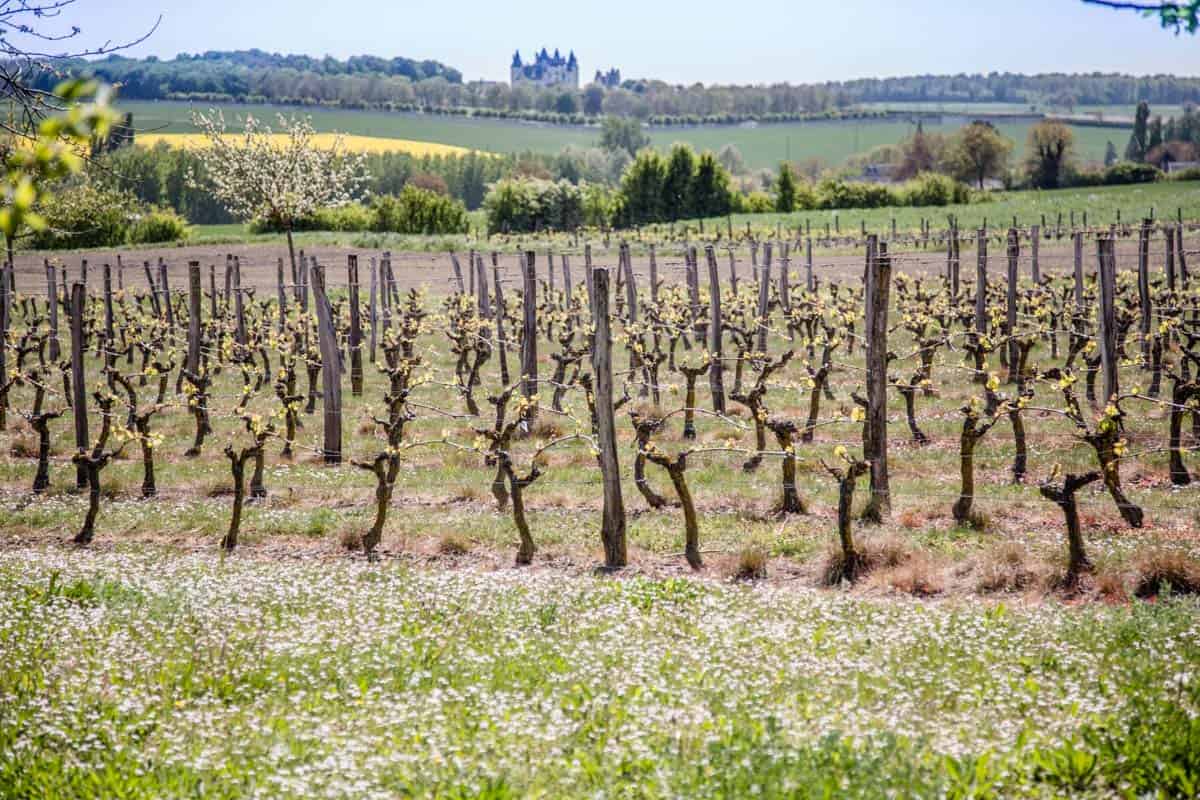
{"type": "Point", "coordinates": [280, 178]}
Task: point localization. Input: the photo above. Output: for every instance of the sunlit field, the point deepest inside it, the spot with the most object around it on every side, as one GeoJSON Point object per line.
{"type": "Point", "coordinates": [351, 143]}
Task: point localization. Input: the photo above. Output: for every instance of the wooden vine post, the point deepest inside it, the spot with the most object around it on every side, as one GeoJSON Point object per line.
{"type": "Point", "coordinates": [355, 343]}
{"type": "Point", "coordinates": [52, 305]}
{"type": "Point", "coordinates": [331, 382]}
{"type": "Point", "coordinates": [193, 341]}
{"type": "Point", "coordinates": [878, 296]}
{"type": "Point", "coordinates": [612, 523]}
{"type": "Point", "coordinates": [1108, 321]}
{"type": "Point", "coordinates": [1010, 316]}
{"type": "Point", "coordinates": [716, 370]}
{"type": "Point", "coordinates": [78, 381]}
{"type": "Point", "coordinates": [1143, 275]}
{"type": "Point", "coordinates": [529, 333]}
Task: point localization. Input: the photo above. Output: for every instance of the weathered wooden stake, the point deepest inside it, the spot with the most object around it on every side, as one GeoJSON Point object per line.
{"type": "Point", "coordinates": [331, 379]}
{"type": "Point", "coordinates": [612, 523]}
{"type": "Point", "coordinates": [356, 365]}
{"type": "Point", "coordinates": [78, 379]}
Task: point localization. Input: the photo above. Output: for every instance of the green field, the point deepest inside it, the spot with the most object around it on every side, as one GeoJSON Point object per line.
{"type": "Point", "coordinates": [762, 145]}
{"type": "Point", "coordinates": [1167, 199]}
{"type": "Point", "coordinates": [1123, 111]}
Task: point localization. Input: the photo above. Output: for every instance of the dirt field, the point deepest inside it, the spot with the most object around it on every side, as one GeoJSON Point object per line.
{"type": "Point", "coordinates": [259, 263]}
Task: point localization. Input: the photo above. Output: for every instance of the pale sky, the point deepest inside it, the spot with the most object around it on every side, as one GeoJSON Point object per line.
{"type": "Point", "coordinates": [758, 41]}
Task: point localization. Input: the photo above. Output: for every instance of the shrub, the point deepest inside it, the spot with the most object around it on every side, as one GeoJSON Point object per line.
{"type": "Point", "coordinates": [934, 189]}
{"type": "Point", "coordinates": [1131, 172]}
{"type": "Point", "coordinates": [85, 216]}
{"type": "Point", "coordinates": [159, 225]}
{"type": "Point", "coordinates": [531, 204]}
{"type": "Point", "coordinates": [838, 193]}
{"type": "Point", "coordinates": [758, 203]}
{"type": "Point", "coordinates": [1190, 174]}
{"type": "Point", "coordinates": [418, 211]}
{"type": "Point", "coordinates": [414, 211]}
{"type": "Point", "coordinates": [350, 218]}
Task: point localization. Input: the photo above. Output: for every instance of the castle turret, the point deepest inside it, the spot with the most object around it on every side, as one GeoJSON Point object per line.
{"type": "Point", "coordinates": [516, 62]}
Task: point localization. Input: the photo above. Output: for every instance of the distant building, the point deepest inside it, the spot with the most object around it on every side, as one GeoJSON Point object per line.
{"type": "Point", "coordinates": [546, 70]}
{"type": "Point", "coordinates": [878, 173]}
{"type": "Point", "coordinates": [1172, 156]}
{"type": "Point", "coordinates": [609, 80]}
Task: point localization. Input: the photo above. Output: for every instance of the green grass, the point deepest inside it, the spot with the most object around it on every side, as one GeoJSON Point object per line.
{"type": "Point", "coordinates": [1102, 204]}
{"type": "Point", "coordinates": [141, 672]}
{"type": "Point", "coordinates": [760, 145]}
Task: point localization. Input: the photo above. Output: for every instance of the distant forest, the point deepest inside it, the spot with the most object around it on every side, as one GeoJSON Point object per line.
{"type": "Point", "coordinates": [256, 76]}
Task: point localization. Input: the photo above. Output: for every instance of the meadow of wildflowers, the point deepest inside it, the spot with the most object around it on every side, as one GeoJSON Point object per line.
{"type": "Point", "coordinates": [145, 671]}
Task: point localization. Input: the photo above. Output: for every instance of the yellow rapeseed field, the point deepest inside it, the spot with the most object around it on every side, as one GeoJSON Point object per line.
{"type": "Point", "coordinates": [357, 144]}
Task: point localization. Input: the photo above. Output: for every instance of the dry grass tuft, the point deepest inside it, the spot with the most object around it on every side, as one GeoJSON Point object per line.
{"type": "Point", "coordinates": [1158, 569]}
{"type": "Point", "coordinates": [350, 538]}
{"type": "Point", "coordinates": [218, 488]}
{"type": "Point", "coordinates": [886, 552]}
{"type": "Point", "coordinates": [1111, 586]}
{"type": "Point", "coordinates": [453, 544]}
{"type": "Point", "coordinates": [23, 440]}
{"type": "Point", "coordinates": [1005, 568]}
{"type": "Point", "coordinates": [751, 564]}
{"type": "Point", "coordinates": [546, 427]}
{"type": "Point", "coordinates": [469, 493]}
{"type": "Point", "coordinates": [918, 576]}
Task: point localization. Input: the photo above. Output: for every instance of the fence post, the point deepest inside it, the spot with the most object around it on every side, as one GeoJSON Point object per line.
{"type": "Point", "coordinates": [1107, 317]}
{"type": "Point", "coordinates": [716, 370]}
{"type": "Point", "coordinates": [501, 336]}
{"type": "Point", "coordinates": [281, 294]}
{"type": "Point", "coordinates": [1144, 300]}
{"type": "Point", "coordinates": [1169, 235]}
{"type": "Point", "coordinates": [808, 264]}
{"type": "Point", "coordinates": [458, 276]}
{"type": "Point", "coordinates": [78, 380]}
{"type": "Point", "coordinates": [52, 308]}
{"type": "Point", "coordinates": [193, 341]}
{"type": "Point", "coordinates": [612, 521]}
{"type": "Point", "coordinates": [878, 295]}
{"type": "Point", "coordinates": [154, 302]}
{"type": "Point", "coordinates": [653, 275]}
{"type": "Point", "coordinates": [1183, 270]}
{"type": "Point", "coordinates": [373, 309]}
{"type": "Point", "coordinates": [764, 296]}
{"type": "Point", "coordinates": [165, 285]}
{"type": "Point", "coordinates": [355, 337]}
{"type": "Point", "coordinates": [785, 287]}
{"type": "Point", "coordinates": [529, 327]}
{"type": "Point", "coordinates": [239, 306]}
{"type": "Point", "coordinates": [110, 333]}
{"type": "Point", "coordinates": [1010, 318]}
{"type": "Point", "coordinates": [1035, 236]}
{"type": "Point", "coordinates": [981, 280]}
{"type": "Point", "coordinates": [1077, 244]}
{"type": "Point", "coordinates": [331, 379]}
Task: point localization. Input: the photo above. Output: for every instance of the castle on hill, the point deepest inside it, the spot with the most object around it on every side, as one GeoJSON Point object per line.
{"type": "Point", "coordinates": [546, 70]}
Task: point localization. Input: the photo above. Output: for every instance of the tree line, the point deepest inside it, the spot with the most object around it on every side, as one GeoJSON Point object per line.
{"type": "Point", "coordinates": [399, 83]}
